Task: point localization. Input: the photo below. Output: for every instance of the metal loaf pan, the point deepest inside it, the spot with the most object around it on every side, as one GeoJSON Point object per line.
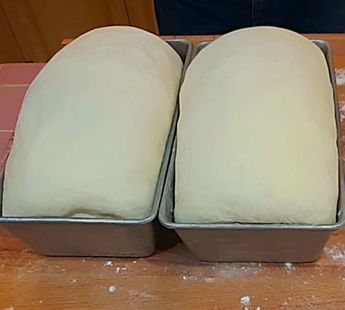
{"type": "Point", "coordinates": [59, 236]}
{"type": "Point", "coordinates": [255, 242]}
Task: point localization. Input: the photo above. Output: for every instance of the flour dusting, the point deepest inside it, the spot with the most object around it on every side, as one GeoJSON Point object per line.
{"type": "Point", "coordinates": [340, 76]}
{"type": "Point", "coordinates": [245, 301]}
{"type": "Point", "coordinates": [335, 254]}
{"type": "Point", "coordinates": [120, 269]}
{"type": "Point", "coordinates": [197, 278]}
{"type": "Point", "coordinates": [289, 267]}
{"type": "Point", "coordinates": [342, 112]}
{"type": "Point", "coordinates": [186, 277]}
{"type": "Point", "coordinates": [112, 289]}
{"type": "Point", "coordinates": [109, 263]}
{"type": "Point", "coordinates": [238, 269]}
{"type": "Point", "coordinates": [211, 272]}
{"type": "Point", "coordinates": [141, 294]}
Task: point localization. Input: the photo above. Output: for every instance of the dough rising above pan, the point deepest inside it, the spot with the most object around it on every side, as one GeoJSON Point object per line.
{"type": "Point", "coordinates": [256, 139]}
{"type": "Point", "coordinates": [92, 130]}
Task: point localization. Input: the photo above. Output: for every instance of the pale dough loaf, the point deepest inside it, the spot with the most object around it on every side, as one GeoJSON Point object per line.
{"type": "Point", "coordinates": [256, 138]}
{"type": "Point", "coordinates": [93, 126]}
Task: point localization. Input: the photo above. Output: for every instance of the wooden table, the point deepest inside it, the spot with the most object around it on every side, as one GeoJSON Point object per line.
{"type": "Point", "coordinates": [170, 279]}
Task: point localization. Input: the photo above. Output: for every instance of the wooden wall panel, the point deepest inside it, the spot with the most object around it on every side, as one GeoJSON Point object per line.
{"type": "Point", "coordinates": [39, 26]}
{"type": "Point", "coordinates": [141, 13]}
{"type": "Point", "coordinates": [25, 29]}
{"type": "Point", "coordinates": [70, 18]}
{"type": "Point", "coordinates": [9, 48]}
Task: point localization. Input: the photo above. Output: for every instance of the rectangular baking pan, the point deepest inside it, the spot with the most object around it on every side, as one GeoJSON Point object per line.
{"type": "Point", "coordinates": [255, 242]}
{"type": "Point", "coordinates": [60, 236]}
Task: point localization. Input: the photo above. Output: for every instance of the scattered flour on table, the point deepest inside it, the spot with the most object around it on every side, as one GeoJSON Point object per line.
{"type": "Point", "coordinates": [135, 293]}
{"type": "Point", "coordinates": [199, 278]}
{"type": "Point", "coordinates": [120, 269]}
{"type": "Point", "coordinates": [210, 273]}
{"type": "Point", "coordinates": [245, 302]}
{"type": "Point", "coordinates": [342, 112]}
{"type": "Point", "coordinates": [289, 267]}
{"type": "Point", "coordinates": [340, 76]}
{"type": "Point", "coordinates": [335, 254]}
{"type": "Point", "coordinates": [109, 263]}
{"type": "Point", "coordinates": [187, 277]}
{"type": "Point", "coordinates": [112, 289]}
{"type": "Point", "coordinates": [238, 269]}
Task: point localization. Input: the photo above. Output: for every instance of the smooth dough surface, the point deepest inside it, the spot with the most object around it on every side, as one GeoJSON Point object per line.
{"type": "Point", "coordinates": [92, 130]}
{"type": "Point", "coordinates": [256, 139]}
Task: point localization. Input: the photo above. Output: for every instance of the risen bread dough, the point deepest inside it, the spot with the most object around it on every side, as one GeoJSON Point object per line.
{"type": "Point", "coordinates": [256, 138]}
{"type": "Point", "coordinates": [93, 126]}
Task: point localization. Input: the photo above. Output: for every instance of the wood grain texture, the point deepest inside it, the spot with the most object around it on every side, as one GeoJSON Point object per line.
{"type": "Point", "coordinates": [26, 30]}
{"type": "Point", "coordinates": [66, 18]}
{"type": "Point", "coordinates": [142, 14]}
{"type": "Point", "coordinates": [9, 48]}
{"type": "Point", "coordinates": [40, 25]}
{"type": "Point", "coordinates": [173, 279]}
